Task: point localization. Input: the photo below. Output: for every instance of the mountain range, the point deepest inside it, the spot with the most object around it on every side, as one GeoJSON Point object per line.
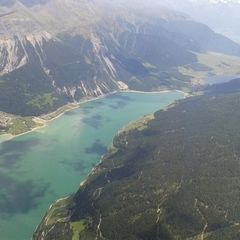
{"type": "Point", "coordinates": [172, 175]}
{"type": "Point", "coordinates": [220, 15]}
{"type": "Point", "coordinates": [59, 51]}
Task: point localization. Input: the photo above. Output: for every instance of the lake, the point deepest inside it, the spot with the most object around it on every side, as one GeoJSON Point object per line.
{"type": "Point", "coordinates": [39, 167]}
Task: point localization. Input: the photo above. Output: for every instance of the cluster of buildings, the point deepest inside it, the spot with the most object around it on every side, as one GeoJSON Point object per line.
{"type": "Point", "coordinates": [4, 121]}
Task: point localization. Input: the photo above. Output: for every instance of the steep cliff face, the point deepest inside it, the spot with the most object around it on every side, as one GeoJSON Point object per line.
{"type": "Point", "coordinates": [53, 52]}
{"type": "Point", "coordinates": [174, 175]}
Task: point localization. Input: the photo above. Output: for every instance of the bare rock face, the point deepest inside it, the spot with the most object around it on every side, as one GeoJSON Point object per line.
{"type": "Point", "coordinates": [14, 53]}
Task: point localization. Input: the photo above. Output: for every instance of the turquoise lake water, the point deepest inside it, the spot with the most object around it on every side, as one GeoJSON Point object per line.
{"type": "Point", "coordinates": [38, 168]}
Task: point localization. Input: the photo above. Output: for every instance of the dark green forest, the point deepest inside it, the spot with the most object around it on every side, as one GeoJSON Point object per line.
{"type": "Point", "coordinates": [175, 177]}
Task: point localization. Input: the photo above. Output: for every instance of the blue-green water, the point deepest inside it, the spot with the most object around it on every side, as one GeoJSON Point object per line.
{"type": "Point", "coordinates": [42, 166]}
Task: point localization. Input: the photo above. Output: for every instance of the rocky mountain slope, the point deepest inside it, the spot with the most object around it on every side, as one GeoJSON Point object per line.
{"type": "Point", "coordinates": [58, 51]}
{"type": "Point", "coordinates": [174, 175]}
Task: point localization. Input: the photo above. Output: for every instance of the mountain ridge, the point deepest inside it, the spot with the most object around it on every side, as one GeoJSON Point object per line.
{"type": "Point", "coordinates": [100, 47]}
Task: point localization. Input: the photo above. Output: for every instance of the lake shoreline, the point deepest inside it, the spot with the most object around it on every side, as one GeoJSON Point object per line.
{"type": "Point", "coordinates": [70, 147]}
{"type": "Point", "coordinates": [47, 118]}
{"type": "Point", "coordinates": [125, 128]}
{"type": "Point", "coordinates": [43, 120]}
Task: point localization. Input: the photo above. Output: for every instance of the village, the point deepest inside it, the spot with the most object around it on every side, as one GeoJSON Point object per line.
{"type": "Point", "coordinates": [5, 120]}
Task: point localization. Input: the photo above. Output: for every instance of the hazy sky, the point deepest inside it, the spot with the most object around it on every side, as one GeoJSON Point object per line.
{"type": "Point", "coordinates": [221, 15]}
{"type": "Point", "coordinates": [216, 1]}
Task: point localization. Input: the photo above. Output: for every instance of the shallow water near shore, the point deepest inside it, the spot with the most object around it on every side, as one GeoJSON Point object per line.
{"type": "Point", "coordinates": [39, 167]}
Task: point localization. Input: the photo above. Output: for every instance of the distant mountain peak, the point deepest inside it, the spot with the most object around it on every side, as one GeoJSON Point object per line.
{"type": "Point", "coordinates": [33, 2]}
{"type": "Point", "coordinates": [224, 1]}
{"type": "Point", "coordinates": [83, 48]}
{"type": "Point", "coordinates": [213, 1]}
{"type": "Point", "coordinates": [28, 3]}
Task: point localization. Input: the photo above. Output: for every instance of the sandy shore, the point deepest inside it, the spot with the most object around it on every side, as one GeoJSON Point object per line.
{"type": "Point", "coordinates": [160, 91]}
{"type": "Point", "coordinates": [43, 120]}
